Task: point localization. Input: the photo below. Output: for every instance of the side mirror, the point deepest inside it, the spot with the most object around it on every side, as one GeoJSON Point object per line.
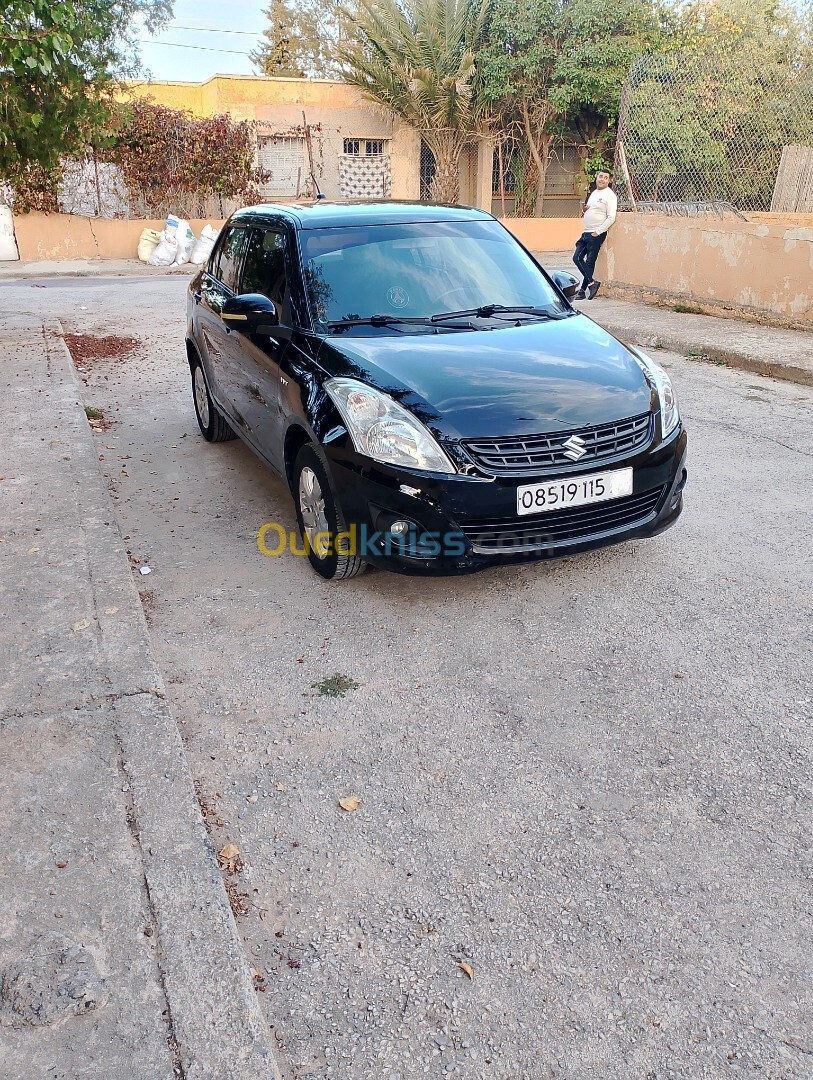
{"type": "Point", "coordinates": [568, 284]}
{"type": "Point", "coordinates": [250, 313]}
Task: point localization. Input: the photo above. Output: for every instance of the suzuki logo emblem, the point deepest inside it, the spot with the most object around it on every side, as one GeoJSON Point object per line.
{"type": "Point", "coordinates": [574, 448]}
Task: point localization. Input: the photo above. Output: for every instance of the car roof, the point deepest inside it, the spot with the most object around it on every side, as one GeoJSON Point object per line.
{"type": "Point", "coordinates": [324, 214]}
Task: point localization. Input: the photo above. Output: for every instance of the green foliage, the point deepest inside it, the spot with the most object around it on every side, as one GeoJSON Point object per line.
{"type": "Point", "coordinates": [548, 64]}
{"type": "Point", "coordinates": [709, 121]}
{"type": "Point", "coordinates": [301, 38]}
{"type": "Point", "coordinates": [59, 63]}
{"type": "Point", "coordinates": [418, 59]}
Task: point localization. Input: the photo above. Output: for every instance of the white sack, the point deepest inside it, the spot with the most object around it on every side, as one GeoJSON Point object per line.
{"type": "Point", "coordinates": [186, 240]}
{"type": "Point", "coordinates": [202, 248]}
{"type": "Point", "coordinates": [167, 249]}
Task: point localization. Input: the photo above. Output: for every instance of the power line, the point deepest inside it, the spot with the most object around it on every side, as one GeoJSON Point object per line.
{"type": "Point", "coordinates": [199, 48]}
{"type": "Point", "coordinates": [211, 30]}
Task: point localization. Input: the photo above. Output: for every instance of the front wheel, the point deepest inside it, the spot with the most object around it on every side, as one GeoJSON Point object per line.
{"type": "Point", "coordinates": [321, 521]}
{"type": "Point", "coordinates": [212, 423]}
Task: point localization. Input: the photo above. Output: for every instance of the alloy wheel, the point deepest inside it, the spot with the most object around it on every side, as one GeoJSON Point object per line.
{"type": "Point", "coordinates": [201, 396]}
{"type": "Point", "coordinates": [312, 508]}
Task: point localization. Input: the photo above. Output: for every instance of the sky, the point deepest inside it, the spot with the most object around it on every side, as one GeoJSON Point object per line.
{"type": "Point", "coordinates": [224, 32]}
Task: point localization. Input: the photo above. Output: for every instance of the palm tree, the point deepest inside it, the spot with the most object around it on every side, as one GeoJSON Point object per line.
{"type": "Point", "coordinates": [416, 57]}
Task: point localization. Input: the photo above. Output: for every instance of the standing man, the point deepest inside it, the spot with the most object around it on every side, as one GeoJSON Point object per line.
{"type": "Point", "coordinates": [599, 214]}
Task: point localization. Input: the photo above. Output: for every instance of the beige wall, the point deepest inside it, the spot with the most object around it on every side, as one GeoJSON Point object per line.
{"type": "Point", "coordinates": [545, 234]}
{"type": "Point", "coordinates": [762, 268]}
{"type": "Point", "coordinates": [67, 236]}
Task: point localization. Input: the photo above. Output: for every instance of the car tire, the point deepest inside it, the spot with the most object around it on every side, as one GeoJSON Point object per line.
{"type": "Point", "coordinates": [213, 424]}
{"type": "Point", "coordinates": [318, 511]}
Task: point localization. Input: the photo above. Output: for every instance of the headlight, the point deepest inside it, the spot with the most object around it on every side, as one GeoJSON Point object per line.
{"type": "Point", "coordinates": [384, 430]}
{"type": "Point", "coordinates": [670, 415]}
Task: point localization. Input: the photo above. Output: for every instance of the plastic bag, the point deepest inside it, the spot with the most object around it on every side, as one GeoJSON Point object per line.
{"type": "Point", "coordinates": [186, 240]}
{"type": "Point", "coordinates": [202, 248]}
{"type": "Point", "coordinates": [147, 243]}
{"type": "Point", "coordinates": [8, 245]}
{"type": "Point", "coordinates": [167, 249]}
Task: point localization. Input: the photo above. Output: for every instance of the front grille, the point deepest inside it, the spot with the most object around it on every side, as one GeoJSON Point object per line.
{"type": "Point", "coordinates": [489, 536]}
{"type": "Point", "coordinates": [537, 453]}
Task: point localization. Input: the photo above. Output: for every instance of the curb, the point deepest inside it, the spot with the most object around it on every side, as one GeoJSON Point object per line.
{"type": "Point", "coordinates": [700, 348]}
{"type": "Point", "coordinates": [216, 1019]}
{"type": "Point", "coordinates": [32, 272]}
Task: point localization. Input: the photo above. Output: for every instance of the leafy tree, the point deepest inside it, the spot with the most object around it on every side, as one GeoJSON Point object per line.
{"type": "Point", "coordinates": [546, 63]}
{"type": "Point", "coordinates": [600, 44]}
{"type": "Point", "coordinates": [59, 64]}
{"type": "Point", "coordinates": [302, 38]}
{"type": "Point", "coordinates": [709, 121]}
{"type": "Point", "coordinates": [417, 58]}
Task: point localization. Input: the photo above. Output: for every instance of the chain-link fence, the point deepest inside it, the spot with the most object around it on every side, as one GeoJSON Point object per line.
{"type": "Point", "coordinates": [695, 131]}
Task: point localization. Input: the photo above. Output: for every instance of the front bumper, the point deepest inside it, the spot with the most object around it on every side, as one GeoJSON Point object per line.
{"type": "Point", "coordinates": [469, 522]}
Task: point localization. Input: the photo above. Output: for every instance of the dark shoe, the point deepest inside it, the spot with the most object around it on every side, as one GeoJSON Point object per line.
{"type": "Point", "coordinates": [580, 295]}
{"type": "Point", "coordinates": [592, 289]}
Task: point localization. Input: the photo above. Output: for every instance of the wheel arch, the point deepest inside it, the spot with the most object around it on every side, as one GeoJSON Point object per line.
{"type": "Point", "coordinates": [295, 438]}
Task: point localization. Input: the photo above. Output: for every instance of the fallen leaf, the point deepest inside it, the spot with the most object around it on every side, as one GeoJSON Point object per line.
{"type": "Point", "coordinates": [279, 786]}
{"type": "Point", "coordinates": [230, 851]}
{"type": "Point", "coordinates": [251, 798]}
{"type": "Point", "coordinates": [33, 551]}
{"type": "Point", "coordinates": [110, 610]}
{"type": "Point", "coordinates": [350, 803]}
{"type": "Point", "coordinates": [466, 968]}
{"type": "Point", "coordinates": [83, 624]}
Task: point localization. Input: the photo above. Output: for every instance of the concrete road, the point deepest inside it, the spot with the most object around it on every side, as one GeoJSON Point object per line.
{"type": "Point", "coordinates": [585, 784]}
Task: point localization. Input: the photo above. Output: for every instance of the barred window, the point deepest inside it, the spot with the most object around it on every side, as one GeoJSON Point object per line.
{"type": "Point", "coordinates": [365, 147]}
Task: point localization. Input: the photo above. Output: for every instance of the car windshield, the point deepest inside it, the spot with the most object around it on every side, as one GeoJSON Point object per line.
{"type": "Point", "coordinates": [418, 270]}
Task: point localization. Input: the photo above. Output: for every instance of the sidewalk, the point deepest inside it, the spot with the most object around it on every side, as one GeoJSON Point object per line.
{"type": "Point", "coordinates": [119, 956]}
{"type": "Point", "coordinates": [14, 271]}
{"type": "Point", "coordinates": [738, 343]}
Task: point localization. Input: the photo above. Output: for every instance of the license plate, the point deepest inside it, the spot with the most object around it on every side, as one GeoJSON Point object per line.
{"type": "Point", "coordinates": [578, 491]}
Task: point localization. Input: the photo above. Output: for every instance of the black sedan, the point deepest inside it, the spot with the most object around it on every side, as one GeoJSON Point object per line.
{"type": "Point", "coordinates": [428, 393]}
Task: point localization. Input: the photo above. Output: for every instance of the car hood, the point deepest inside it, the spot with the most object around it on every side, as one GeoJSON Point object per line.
{"type": "Point", "coordinates": [531, 379]}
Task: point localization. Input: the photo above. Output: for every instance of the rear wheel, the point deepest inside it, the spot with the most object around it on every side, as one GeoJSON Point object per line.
{"type": "Point", "coordinates": [321, 520]}
{"type": "Point", "coordinates": [212, 423]}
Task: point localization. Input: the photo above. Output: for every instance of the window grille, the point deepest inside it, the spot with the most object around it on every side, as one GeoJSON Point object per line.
{"type": "Point", "coordinates": [282, 159]}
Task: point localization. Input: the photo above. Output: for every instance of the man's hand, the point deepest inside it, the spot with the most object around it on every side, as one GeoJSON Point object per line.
{"type": "Point", "coordinates": [594, 233]}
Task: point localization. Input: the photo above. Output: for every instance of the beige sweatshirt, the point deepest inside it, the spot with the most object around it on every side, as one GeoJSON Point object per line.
{"type": "Point", "coordinates": [602, 207]}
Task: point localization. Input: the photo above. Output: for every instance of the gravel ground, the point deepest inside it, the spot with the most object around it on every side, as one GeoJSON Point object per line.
{"type": "Point", "coordinates": [585, 784]}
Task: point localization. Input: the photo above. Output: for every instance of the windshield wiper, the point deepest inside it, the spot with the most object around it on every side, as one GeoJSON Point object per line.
{"type": "Point", "coordinates": [487, 310]}
{"type": "Point", "coordinates": [377, 320]}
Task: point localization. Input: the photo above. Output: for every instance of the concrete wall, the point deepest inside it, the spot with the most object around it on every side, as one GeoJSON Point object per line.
{"type": "Point", "coordinates": [65, 236]}
{"type": "Point", "coordinates": [545, 234]}
{"type": "Point", "coordinates": [761, 268]}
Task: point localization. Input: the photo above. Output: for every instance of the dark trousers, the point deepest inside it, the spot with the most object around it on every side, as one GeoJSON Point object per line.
{"type": "Point", "coordinates": [586, 253]}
